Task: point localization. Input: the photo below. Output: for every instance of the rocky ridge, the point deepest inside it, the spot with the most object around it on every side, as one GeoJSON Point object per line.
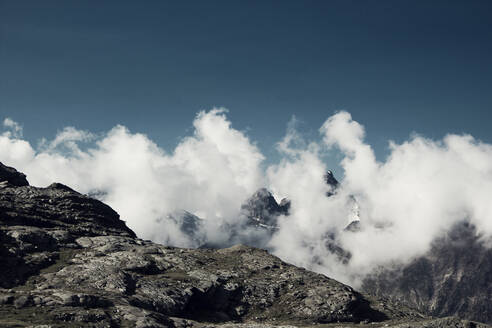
{"type": "Point", "coordinates": [67, 260]}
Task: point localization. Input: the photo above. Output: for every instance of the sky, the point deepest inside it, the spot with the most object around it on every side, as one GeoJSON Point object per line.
{"type": "Point", "coordinates": [398, 67]}
{"type": "Point", "coordinates": [160, 107]}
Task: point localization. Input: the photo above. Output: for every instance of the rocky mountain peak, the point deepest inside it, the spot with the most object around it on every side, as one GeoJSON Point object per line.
{"type": "Point", "coordinates": [12, 176]}
{"type": "Point", "coordinates": [262, 209]}
{"type": "Point", "coordinates": [330, 179]}
{"type": "Point", "coordinates": [55, 207]}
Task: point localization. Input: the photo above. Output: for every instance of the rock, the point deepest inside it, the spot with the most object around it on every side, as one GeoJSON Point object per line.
{"type": "Point", "coordinates": [23, 301]}
{"type": "Point", "coordinates": [71, 299]}
{"type": "Point", "coordinates": [262, 210]}
{"type": "Point", "coordinates": [12, 176]}
{"type": "Point", "coordinates": [67, 299]}
{"type": "Point", "coordinates": [6, 299]}
{"type": "Point", "coordinates": [332, 182]}
{"type": "Point", "coordinates": [353, 226]}
{"type": "Point", "coordinates": [59, 208]}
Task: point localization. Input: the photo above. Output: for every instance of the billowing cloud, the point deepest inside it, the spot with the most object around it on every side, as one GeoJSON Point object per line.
{"type": "Point", "coordinates": [209, 173]}
{"type": "Point", "coordinates": [14, 129]}
{"type": "Point", "coordinates": [419, 191]}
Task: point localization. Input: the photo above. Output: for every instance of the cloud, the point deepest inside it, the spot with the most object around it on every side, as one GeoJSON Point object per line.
{"type": "Point", "coordinates": [68, 137]}
{"type": "Point", "coordinates": [14, 128]}
{"type": "Point", "coordinates": [14, 150]}
{"type": "Point", "coordinates": [419, 191]}
{"type": "Point", "coordinates": [209, 174]}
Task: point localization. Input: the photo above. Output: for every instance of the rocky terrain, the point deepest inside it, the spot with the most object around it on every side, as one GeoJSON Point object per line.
{"type": "Point", "coordinates": [67, 260]}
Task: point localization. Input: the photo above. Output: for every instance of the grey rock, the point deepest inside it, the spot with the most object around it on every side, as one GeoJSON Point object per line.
{"type": "Point", "coordinates": [12, 176]}
{"type": "Point", "coordinates": [262, 210]}
{"type": "Point", "coordinates": [353, 226]}
{"type": "Point", "coordinates": [23, 301]}
{"type": "Point", "coordinates": [6, 299]}
{"type": "Point", "coordinates": [332, 182]}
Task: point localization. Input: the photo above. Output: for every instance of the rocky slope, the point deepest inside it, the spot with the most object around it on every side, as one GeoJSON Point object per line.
{"type": "Point", "coordinates": [67, 260]}
{"type": "Point", "coordinates": [453, 278]}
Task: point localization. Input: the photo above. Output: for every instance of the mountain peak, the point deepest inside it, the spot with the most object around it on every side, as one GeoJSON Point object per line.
{"type": "Point", "coordinates": [262, 208]}
{"type": "Point", "coordinates": [330, 179]}
{"type": "Point", "coordinates": [56, 206]}
{"type": "Point", "coordinates": [12, 176]}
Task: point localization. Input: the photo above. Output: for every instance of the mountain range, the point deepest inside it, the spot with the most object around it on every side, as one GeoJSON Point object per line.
{"type": "Point", "coordinates": [68, 260]}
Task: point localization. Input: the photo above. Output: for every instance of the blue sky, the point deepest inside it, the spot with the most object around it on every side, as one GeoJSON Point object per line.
{"type": "Point", "coordinates": [397, 66]}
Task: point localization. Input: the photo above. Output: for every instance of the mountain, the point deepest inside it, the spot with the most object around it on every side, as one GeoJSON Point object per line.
{"type": "Point", "coordinates": [453, 278]}
{"type": "Point", "coordinates": [259, 215]}
{"type": "Point", "coordinates": [67, 260]}
{"type": "Point", "coordinates": [262, 210]}
{"type": "Point", "coordinates": [9, 175]}
{"type": "Point", "coordinates": [191, 225]}
{"type": "Point", "coordinates": [332, 182]}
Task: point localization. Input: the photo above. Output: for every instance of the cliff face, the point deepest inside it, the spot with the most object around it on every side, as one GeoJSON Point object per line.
{"type": "Point", "coordinates": [36, 222]}
{"type": "Point", "coordinates": [67, 260]}
{"type": "Point", "coordinates": [453, 278]}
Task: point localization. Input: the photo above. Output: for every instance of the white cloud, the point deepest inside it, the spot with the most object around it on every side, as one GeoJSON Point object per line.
{"type": "Point", "coordinates": [69, 137]}
{"type": "Point", "coordinates": [422, 189]}
{"type": "Point", "coordinates": [209, 173]}
{"type": "Point", "coordinates": [419, 191]}
{"type": "Point", "coordinates": [14, 128]}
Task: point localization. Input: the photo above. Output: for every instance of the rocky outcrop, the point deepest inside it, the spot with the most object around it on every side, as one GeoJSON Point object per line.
{"type": "Point", "coordinates": [12, 176]}
{"type": "Point", "coordinates": [58, 207]}
{"type": "Point", "coordinates": [68, 261]}
{"type": "Point", "coordinates": [36, 222]}
{"type": "Point", "coordinates": [453, 278]}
